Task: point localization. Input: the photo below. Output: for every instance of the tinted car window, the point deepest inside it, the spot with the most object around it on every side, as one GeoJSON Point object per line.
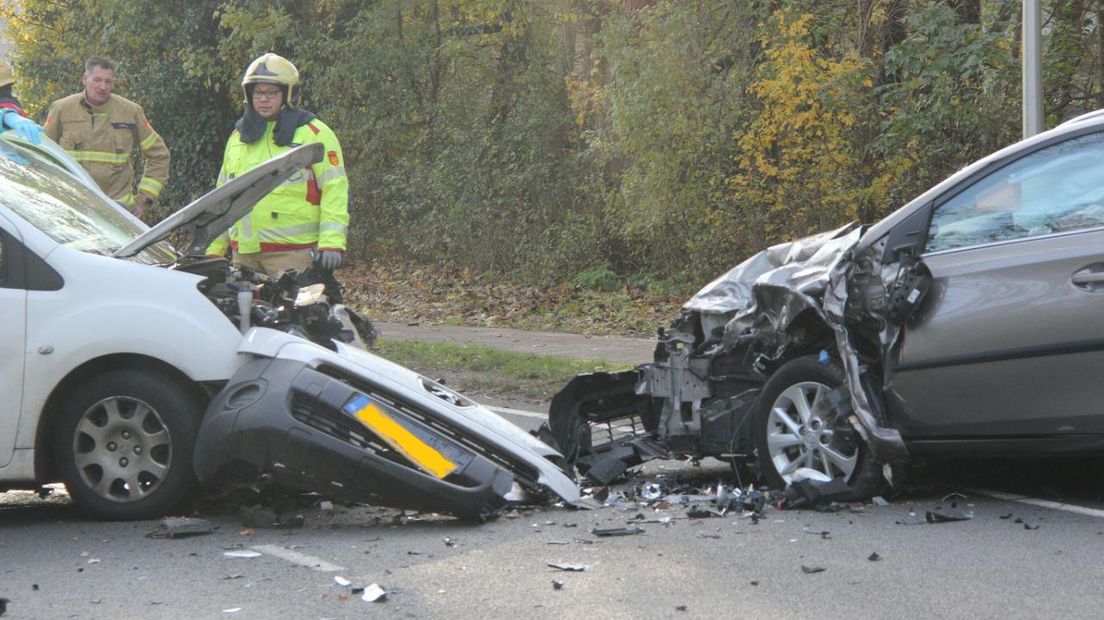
{"type": "Point", "coordinates": [62, 207]}
{"type": "Point", "coordinates": [1055, 189]}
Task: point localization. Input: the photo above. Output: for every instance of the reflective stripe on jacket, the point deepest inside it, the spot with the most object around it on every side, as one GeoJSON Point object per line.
{"type": "Point", "coordinates": [102, 139]}
{"type": "Point", "coordinates": [310, 209]}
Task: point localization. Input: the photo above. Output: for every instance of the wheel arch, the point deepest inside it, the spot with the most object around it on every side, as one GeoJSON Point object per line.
{"type": "Point", "coordinates": [45, 461]}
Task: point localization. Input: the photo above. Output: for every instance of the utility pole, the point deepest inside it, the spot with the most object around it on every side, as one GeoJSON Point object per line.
{"type": "Point", "coordinates": [1032, 68]}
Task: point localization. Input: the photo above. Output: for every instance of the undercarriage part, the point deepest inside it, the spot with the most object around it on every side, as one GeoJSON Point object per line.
{"type": "Point", "coordinates": [308, 430]}
{"type": "Point", "coordinates": [605, 401]}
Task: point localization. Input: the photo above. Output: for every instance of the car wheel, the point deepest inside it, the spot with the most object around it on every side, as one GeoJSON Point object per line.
{"type": "Point", "coordinates": [124, 445]}
{"type": "Point", "coordinates": [797, 427]}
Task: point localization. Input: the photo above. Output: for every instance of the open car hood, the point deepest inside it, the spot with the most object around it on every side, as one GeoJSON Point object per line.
{"type": "Point", "coordinates": [217, 210]}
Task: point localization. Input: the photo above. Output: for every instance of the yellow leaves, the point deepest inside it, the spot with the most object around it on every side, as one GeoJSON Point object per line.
{"type": "Point", "coordinates": [800, 158]}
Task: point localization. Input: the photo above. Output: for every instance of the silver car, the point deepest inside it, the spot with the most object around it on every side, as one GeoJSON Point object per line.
{"type": "Point", "coordinates": [966, 323]}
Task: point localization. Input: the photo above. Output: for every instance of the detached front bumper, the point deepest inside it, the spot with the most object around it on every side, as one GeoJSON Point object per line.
{"type": "Point", "coordinates": [318, 428]}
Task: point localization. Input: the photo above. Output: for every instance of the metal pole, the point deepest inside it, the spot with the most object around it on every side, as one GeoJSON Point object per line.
{"type": "Point", "coordinates": [1032, 68]}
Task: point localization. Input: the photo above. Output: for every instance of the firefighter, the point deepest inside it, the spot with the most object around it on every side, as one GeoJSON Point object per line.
{"type": "Point", "coordinates": [304, 220]}
{"type": "Point", "coordinates": [12, 115]}
{"type": "Point", "coordinates": [100, 129]}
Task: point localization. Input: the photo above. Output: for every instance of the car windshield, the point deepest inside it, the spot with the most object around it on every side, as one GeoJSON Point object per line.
{"type": "Point", "coordinates": [64, 208]}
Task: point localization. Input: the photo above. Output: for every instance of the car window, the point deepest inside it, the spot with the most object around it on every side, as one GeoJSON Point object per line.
{"type": "Point", "coordinates": [62, 207]}
{"type": "Point", "coordinates": [1055, 189]}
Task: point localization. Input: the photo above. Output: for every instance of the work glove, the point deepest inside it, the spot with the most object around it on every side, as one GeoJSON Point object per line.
{"type": "Point", "coordinates": [141, 203]}
{"type": "Point", "coordinates": [328, 259]}
{"type": "Point", "coordinates": [25, 127]}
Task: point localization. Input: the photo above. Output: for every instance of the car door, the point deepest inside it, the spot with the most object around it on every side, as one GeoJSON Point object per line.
{"type": "Point", "coordinates": [1010, 342]}
{"type": "Point", "coordinates": [13, 316]}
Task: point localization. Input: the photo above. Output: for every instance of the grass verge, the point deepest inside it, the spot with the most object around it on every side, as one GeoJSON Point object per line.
{"type": "Point", "coordinates": [483, 370]}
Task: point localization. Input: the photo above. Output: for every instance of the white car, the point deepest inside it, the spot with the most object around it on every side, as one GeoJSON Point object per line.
{"type": "Point", "coordinates": [117, 345]}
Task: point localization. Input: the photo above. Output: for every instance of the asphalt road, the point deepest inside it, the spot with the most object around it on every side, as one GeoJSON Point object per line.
{"type": "Point", "coordinates": [1024, 557]}
{"type": "Point", "coordinates": [56, 564]}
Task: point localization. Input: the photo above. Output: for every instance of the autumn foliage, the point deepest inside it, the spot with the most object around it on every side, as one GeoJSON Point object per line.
{"type": "Point", "coordinates": [577, 141]}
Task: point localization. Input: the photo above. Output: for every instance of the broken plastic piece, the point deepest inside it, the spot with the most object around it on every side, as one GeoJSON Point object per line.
{"type": "Point", "coordinates": [616, 531]}
{"type": "Point", "coordinates": [570, 568]}
{"type": "Point", "coordinates": [341, 581]}
{"type": "Point", "coordinates": [374, 594]}
{"type": "Point", "coordinates": [703, 512]}
{"type": "Point", "coordinates": [181, 527]}
{"type": "Point", "coordinates": [650, 491]}
{"type": "Point", "coordinates": [940, 514]}
{"type": "Point", "coordinates": [809, 570]}
{"type": "Point", "coordinates": [810, 494]}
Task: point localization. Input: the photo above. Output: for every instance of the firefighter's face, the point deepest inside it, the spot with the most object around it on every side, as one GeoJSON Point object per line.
{"type": "Point", "coordinates": [98, 85]}
{"type": "Point", "coordinates": [267, 99]}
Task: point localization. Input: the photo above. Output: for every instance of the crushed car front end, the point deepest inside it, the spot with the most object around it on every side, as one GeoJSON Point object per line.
{"type": "Point", "coordinates": [351, 425]}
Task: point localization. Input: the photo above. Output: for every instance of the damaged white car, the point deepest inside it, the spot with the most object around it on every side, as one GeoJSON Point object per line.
{"type": "Point", "coordinates": [133, 372]}
{"type": "Point", "coordinates": [967, 323]}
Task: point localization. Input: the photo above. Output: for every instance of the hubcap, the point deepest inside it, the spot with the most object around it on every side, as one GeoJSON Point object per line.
{"type": "Point", "coordinates": [117, 426]}
{"type": "Point", "coordinates": [798, 434]}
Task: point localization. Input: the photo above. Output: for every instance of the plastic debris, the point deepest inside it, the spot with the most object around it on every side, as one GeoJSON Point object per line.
{"type": "Point", "coordinates": [811, 493]}
{"type": "Point", "coordinates": [616, 531]}
{"type": "Point", "coordinates": [325, 505]}
{"type": "Point", "coordinates": [880, 501]}
{"type": "Point", "coordinates": [341, 581]}
{"type": "Point", "coordinates": [232, 610]}
{"type": "Point", "coordinates": [557, 584]}
{"type": "Point", "coordinates": [650, 491]}
{"type": "Point", "coordinates": [182, 527]}
{"type": "Point", "coordinates": [809, 570]}
{"type": "Point", "coordinates": [374, 594]}
{"type": "Point", "coordinates": [681, 608]}
{"type": "Point", "coordinates": [940, 514]}
{"type": "Point", "coordinates": [704, 512]}
{"type": "Point", "coordinates": [570, 568]}
{"type": "Point", "coordinates": [874, 557]}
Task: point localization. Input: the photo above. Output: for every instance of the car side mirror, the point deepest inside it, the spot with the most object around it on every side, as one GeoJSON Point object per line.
{"type": "Point", "coordinates": [908, 237]}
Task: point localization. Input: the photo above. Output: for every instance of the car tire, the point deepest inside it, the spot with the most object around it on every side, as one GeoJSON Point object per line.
{"type": "Point", "coordinates": [124, 443]}
{"type": "Point", "coordinates": [791, 433]}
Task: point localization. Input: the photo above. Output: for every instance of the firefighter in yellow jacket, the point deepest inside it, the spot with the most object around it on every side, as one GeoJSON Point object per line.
{"type": "Point", "coordinates": [304, 219]}
{"type": "Point", "coordinates": [100, 129]}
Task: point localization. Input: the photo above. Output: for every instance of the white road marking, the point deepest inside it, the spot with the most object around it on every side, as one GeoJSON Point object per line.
{"type": "Point", "coordinates": [519, 412]}
{"type": "Point", "coordinates": [300, 559]}
{"type": "Point", "coordinates": [1043, 503]}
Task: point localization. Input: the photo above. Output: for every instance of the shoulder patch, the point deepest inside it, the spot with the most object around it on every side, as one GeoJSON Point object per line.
{"type": "Point", "coordinates": [334, 159]}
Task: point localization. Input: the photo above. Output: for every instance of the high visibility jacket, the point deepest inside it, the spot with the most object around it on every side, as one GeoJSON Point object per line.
{"type": "Point", "coordinates": [102, 139]}
{"type": "Point", "coordinates": [310, 209]}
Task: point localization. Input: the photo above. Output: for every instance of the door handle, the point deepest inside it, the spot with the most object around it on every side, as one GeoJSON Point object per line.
{"type": "Point", "coordinates": [1089, 278]}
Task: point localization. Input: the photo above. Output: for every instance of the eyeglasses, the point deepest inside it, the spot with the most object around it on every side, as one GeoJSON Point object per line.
{"type": "Point", "coordinates": [266, 94]}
